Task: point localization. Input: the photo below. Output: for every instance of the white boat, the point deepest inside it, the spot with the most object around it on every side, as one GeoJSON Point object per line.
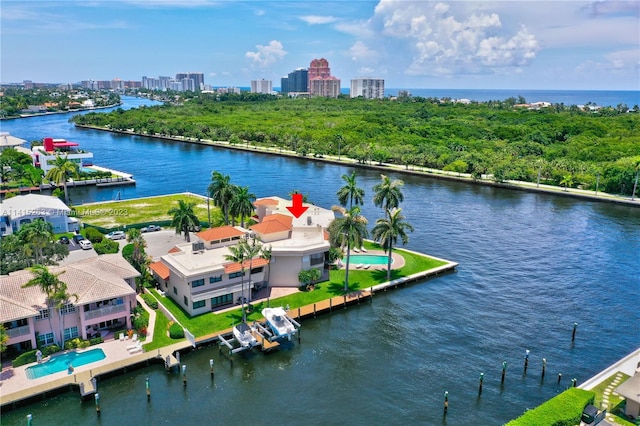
{"type": "Point", "coordinates": [242, 333]}
{"type": "Point", "coordinates": [279, 322]}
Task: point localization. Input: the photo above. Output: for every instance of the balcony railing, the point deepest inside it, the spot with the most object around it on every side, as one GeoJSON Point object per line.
{"type": "Point", "coordinates": [18, 331]}
{"type": "Point", "coordinates": [107, 310]}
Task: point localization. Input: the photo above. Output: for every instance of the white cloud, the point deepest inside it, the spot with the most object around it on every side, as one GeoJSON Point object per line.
{"type": "Point", "coordinates": [266, 55]}
{"type": "Point", "coordinates": [447, 39]}
{"type": "Point", "coordinates": [361, 52]}
{"type": "Point", "coordinates": [618, 61]}
{"type": "Point", "coordinates": [317, 19]}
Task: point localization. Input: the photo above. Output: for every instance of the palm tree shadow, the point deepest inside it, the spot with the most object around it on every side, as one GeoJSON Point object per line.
{"type": "Point", "coordinates": [381, 274]}
{"type": "Point", "coordinates": [337, 289]}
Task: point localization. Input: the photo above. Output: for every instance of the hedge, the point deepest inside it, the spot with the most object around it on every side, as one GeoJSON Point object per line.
{"type": "Point", "coordinates": [150, 301]}
{"type": "Point", "coordinates": [562, 410]}
{"type": "Point", "coordinates": [30, 356]}
{"type": "Point", "coordinates": [106, 246]}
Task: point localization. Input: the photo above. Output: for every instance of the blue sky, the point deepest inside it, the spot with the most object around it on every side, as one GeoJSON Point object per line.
{"type": "Point", "coordinates": [411, 44]}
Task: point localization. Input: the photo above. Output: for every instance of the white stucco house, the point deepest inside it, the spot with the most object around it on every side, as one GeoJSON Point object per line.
{"type": "Point", "coordinates": [199, 278]}
{"type": "Point", "coordinates": [22, 209]}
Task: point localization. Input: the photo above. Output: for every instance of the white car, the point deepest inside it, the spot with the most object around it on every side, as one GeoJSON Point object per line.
{"type": "Point", "coordinates": [85, 244]}
{"type": "Point", "coordinates": [150, 228]}
{"type": "Point", "coordinates": [116, 235]}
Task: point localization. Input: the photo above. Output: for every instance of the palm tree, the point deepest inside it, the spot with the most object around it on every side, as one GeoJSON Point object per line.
{"type": "Point", "coordinates": [37, 236]}
{"type": "Point", "coordinates": [266, 254]}
{"type": "Point", "coordinates": [567, 181]}
{"type": "Point", "coordinates": [221, 191]}
{"type": "Point", "coordinates": [49, 284]}
{"type": "Point", "coordinates": [139, 258]}
{"type": "Point", "coordinates": [61, 299]}
{"type": "Point", "coordinates": [62, 169]}
{"type": "Point", "coordinates": [388, 194]}
{"type": "Point", "coordinates": [184, 218]}
{"type": "Point", "coordinates": [239, 253]}
{"type": "Point", "coordinates": [388, 229]}
{"type": "Point", "coordinates": [242, 203]}
{"type": "Point", "coordinates": [636, 166]}
{"type": "Point", "coordinates": [350, 192]}
{"type": "Point", "coordinates": [349, 229]}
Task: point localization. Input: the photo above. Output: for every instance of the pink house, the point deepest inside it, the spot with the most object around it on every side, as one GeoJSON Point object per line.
{"type": "Point", "coordinates": [104, 295]}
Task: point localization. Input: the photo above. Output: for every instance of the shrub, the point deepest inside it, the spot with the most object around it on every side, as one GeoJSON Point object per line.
{"type": "Point", "coordinates": [76, 343]}
{"type": "Point", "coordinates": [25, 358]}
{"type": "Point", "coordinates": [176, 331]}
{"type": "Point", "coordinates": [96, 341]}
{"type": "Point", "coordinates": [51, 349]}
{"type": "Point", "coordinates": [150, 301]}
{"type": "Point", "coordinates": [93, 235]}
{"type": "Point", "coordinates": [106, 246]}
{"type": "Point", "coordinates": [127, 251]}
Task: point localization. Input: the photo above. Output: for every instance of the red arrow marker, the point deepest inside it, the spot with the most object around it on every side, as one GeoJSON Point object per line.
{"type": "Point", "coordinates": [297, 209]}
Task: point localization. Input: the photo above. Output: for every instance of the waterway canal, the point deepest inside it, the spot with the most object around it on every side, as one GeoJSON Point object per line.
{"type": "Point", "coordinates": [530, 266]}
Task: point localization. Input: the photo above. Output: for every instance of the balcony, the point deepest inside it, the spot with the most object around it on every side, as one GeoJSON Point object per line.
{"type": "Point", "coordinates": [18, 331]}
{"type": "Point", "coordinates": [104, 311]}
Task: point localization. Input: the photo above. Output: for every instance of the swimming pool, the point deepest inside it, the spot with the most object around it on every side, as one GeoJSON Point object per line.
{"type": "Point", "coordinates": [367, 259]}
{"type": "Point", "coordinates": [58, 363]}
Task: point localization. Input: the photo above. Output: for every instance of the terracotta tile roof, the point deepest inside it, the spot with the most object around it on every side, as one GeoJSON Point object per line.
{"type": "Point", "coordinates": [175, 249]}
{"type": "Point", "coordinates": [13, 310]}
{"type": "Point", "coordinates": [235, 267]}
{"type": "Point", "coordinates": [219, 233]}
{"type": "Point", "coordinates": [92, 279]}
{"type": "Point", "coordinates": [273, 223]}
{"type": "Point", "coordinates": [161, 269]}
{"type": "Point", "coordinates": [265, 202]}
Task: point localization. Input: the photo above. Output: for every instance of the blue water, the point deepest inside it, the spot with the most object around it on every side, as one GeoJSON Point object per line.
{"type": "Point", "coordinates": [368, 259]}
{"type": "Point", "coordinates": [58, 363]}
{"type": "Point", "coordinates": [530, 265]}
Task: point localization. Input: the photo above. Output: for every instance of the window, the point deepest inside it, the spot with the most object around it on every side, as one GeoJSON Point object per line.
{"type": "Point", "coordinates": [222, 300]}
{"type": "Point", "coordinates": [67, 309]}
{"type": "Point", "coordinates": [215, 279]}
{"type": "Point", "coordinates": [45, 339]}
{"type": "Point", "coordinates": [175, 291]}
{"type": "Point", "coordinates": [317, 258]}
{"type": "Point", "coordinates": [44, 314]}
{"type": "Point", "coordinates": [236, 274]}
{"type": "Point", "coordinates": [197, 283]}
{"type": "Point", "coordinates": [257, 270]}
{"type": "Point", "coordinates": [200, 304]}
{"type": "Point", "coordinates": [70, 333]}
{"type": "Point", "coordinates": [186, 301]}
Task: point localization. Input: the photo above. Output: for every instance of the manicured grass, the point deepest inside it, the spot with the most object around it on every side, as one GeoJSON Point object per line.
{"type": "Point", "coordinates": [160, 336]}
{"type": "Point", "coordinates": [615, 403]}
{"type": "Point", "coordinates": [113, 214]}
{"type": "Point", "coordinates": [358, 280]}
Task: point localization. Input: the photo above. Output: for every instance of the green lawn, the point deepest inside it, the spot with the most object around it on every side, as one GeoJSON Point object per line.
{"type": "Point", "coordinates": [615, 402]}
{"type": "Point", "coordinates": [358, 280]}
{"type": "Point", "coordinates": [160, 336]}
{"type": "Point", "coordinates": [115, 214]}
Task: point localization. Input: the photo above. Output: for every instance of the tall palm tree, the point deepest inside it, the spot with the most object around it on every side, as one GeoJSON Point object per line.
{"type": "Point", "coordinates": [184, 219]}
{"type": "Point", "coordinates": [266, 254]}
{"type": "Point", "coordinates": [139, 258]}
{"type": "Point", "coordinates": [388, 229]}
{"type": "Point", "coordinates": [350, 192]}
{"type": "Point", "coordinates": [49, 284]}
{"type": "Point", "coordinates": [239, 253]}
{"type": "Point", "coordinates": [62, 170]}
{"type": "Point", "coordinates": [62, 298]}
{"type": "Point", "coordinates": [37, 236]}
{"type": "Point", "coordinates": [349, 229]}
{"type": "Point", "coordinates": [242, 203]}
{"type": "Point", "coordinates": [221, 191]}
{"type": "Point", "coordinates": [388, 193]}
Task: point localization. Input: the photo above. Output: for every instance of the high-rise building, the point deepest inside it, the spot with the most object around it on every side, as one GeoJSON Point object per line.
{"type": "Point", "coordinates": [368, 88]}
{"type": "Point", "coordinates": [321, 82]}
{"type": "Point", "coordinates": [261, 86]}
{"type": "Point", "coordinates": [197, 77]}
{"type": "Point", "coordinates": [296, 82]}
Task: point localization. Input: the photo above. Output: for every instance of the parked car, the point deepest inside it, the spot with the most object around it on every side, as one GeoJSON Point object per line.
{"type": "Point", "coordinates": [63, 240]}
{"type": "Point", "coordinates": [85, 244]}
{"type": "Point", "coordinates": [116, 235]}
{"type": "Point", "coordinates": [77, 238]}
{"type": "Point", "coordinates": [150, 228]}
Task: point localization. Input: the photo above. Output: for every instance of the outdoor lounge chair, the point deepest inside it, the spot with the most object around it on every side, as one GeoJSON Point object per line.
{"type": "Point", "coordinates": [367, 266]}
{"type": "Point", "coordinates": [121, 337]}
{"type": "Point", "coordinates": [135, 345]}
{"type": "Point", "coordinates": [356, 250]}
{"type": "Point", "coordinates": [135, 348]}
{"type": "Point", "coordinates": [135, 338]}
{"type": "Point", "coordinates": [364, 250]}
{"type": "Point", "coordinates": [359, 266]}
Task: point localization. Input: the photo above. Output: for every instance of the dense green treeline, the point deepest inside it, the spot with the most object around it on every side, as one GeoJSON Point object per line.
{"type": "Point", "coordinates": [559, 145]}
{"type": "Point", "coordinates": [15, 101]}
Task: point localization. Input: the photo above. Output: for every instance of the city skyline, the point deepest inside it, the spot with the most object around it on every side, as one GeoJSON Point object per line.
{"type": "Point", "coordinates": [409, 44]}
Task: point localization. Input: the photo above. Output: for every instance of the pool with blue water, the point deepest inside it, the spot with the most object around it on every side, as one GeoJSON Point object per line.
{"type": "Point", "coordinates": [58, 363]}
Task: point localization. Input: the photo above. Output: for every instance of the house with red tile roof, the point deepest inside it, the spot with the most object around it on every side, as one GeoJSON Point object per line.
{"type": "Point", "coordinates": [199, 277]}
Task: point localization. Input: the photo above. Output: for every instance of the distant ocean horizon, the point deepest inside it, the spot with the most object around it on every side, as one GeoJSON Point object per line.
{"type": "Point", "coordinates": [610, 98]}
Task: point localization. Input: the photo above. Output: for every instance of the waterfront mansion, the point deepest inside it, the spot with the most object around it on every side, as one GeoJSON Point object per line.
{"type": "Point", "coordinates": [104, 296]}
{"type": "Point", "coordinates": [198, 276]}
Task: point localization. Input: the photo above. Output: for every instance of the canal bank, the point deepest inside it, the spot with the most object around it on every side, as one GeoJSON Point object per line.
{"type": "Point", "coordinates": [18, 390]}
{"type": "Point", "coordinates": [486, 180]}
